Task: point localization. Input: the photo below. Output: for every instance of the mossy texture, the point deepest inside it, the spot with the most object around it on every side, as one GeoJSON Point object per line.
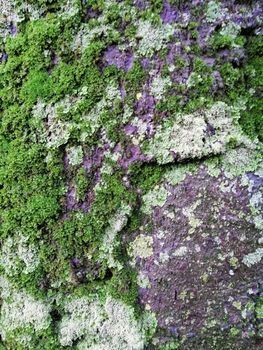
{"type": "Point", "coordinates": [124, 127]}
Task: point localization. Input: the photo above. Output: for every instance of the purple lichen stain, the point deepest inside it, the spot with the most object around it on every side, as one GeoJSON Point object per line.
{"type": "Point", "coordinates": [13, 29]}
{"type": "Point", "coordinates": [195, 281]}
{"type": "Point", "coordinates": [114, 56]}
{"type": "Point", "coordinates": [169, 14]}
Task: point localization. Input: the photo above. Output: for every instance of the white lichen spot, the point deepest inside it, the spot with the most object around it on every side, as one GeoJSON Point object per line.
{"type": "Point", "coordinates": [230, 30]}
{"type": "Point", "coordinates": [20, 311]}
{"type": "Point", "coordinates": [237, 305]}
{"type": "Point", "coordinates": [70, 9]}
{"type": "Point", "coordinates": [160, 234]}
{"type": "Point", "coordinates": [85, 35]}
{"type": "Point", "coordinates": [212, 168]}
{"type": "Point", "coordinates": [253, 258]}
{"type": "Point", "coordinates": [127, 113]}
{"type": "Point", "coordinates": [12, 13]}
{"type": "Point", "coordinates": [213, 11]}
{"type": "Point", "coordinates": [193, 80]}
{"type": "Point", "coordinates": [111, 325]}
{"type": "Point", "coordinates": [143, 280]}
{"type": "Point", "coordinates": [93, 118]}
{"type": "Point", "coordinates": [204, 277]}
{"type": "Point", "coordinates": [233, 261]}
{"type": "Point", "coordinates": [54, 131]}
{"type": "Point", "coordinates": [82, 318]}
{"type": "Point", "coordinates": [155, 197]}
{"type": "Point", "coordinates": [138, 96]}
{"type": "Point", "coordinates": [193, 221]}
{"type": "Point", "coordinates": [141, 247]}
{"type": "Point", "coordinates": [160, 86]}
{"type": "Point", "coordinates": [58, 133]}
{"type": "Point", "coordinates": [186, 137]}
{"type": "Point", "coordinates": [197, 248]}
{"type": "Point", "coordinates": [179, 172]}
{"type": "Point", "coordinates": [259, 171]}
{"type": "Point", "coordinates": [18, 255]}
{"type": "Point", "coordinates": [163, 257]}
{"type": "Point", "coordinates": [181, 251]}
{"type": "Point", "coordinates": [236, 162]}
{"type": "Point", "coordinates": [182, 295]}
{"type": "Point", "coordinates": [6, 8]}
{"type": "Point", "coordinates": [256, 199]}
{"type": "Point", "coordinates": [75, 155]}
{"type": "Point", "coordinates": [152, 38]}
{"type": "Point", "coordinates": [110, 241]}
{"type": "Point", "coordinates": [170, 214]}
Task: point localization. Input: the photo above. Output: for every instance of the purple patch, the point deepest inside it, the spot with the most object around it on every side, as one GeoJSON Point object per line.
{"type": "Point", "coordinates": [169, 14]}
{"type": "Point", "coordinates": [13, 29]}
{"type": "Point", "coordinates": [4, 57]}
{"type": "Point", "coordinates": [55, 60]}
{"type": "Point", "coordinates": [66, 162]}
{"type": "Point", "coordinates": [71, 197]}
{"type": "Point", "coordinates": [145, 62]}
{"type": "Point", "coordinates": [141, 4]}
{"type": "Point", "coordinates": [217, 81]}
{"type": "Point", "coordinates": [122, 91]}
{"type": "Point", "coordinates": [118, 58]}
{"type": "Point", "coordinates": [132, 154]}
{"type": "Point", "coordinates": [180, 295]}
{"type": "Point", "coordinates": [130, 129]}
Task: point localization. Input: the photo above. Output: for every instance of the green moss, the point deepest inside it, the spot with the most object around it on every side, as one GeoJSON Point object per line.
{"type": "Point", "coordinates": [130, 31]}
{"type": "Point", "coordinates": [198, 87]}
{"type": "Point", "coordinates": [41, 2]}
{"type": "Point", "coordinates": [156, 6]}
{"type": "Point", "coordinates": [148, 15]}
{"type": "Point", "coordinates": [247, 82]}
{"type": "Point", "coordinates": [37, 85]}
{"type": "Point", "coordinates": [199, 103]}
{"type": "Point", "coordinates": [109, 198]}
{"type": "Point", "coordinates": [14, 121]}
{"type": "Point", "coordinates": [228, 37]}
{"type": "Point", "coordinates": [82, 184]}
{"type": "Point", "coordinates": [230, 76]}
{"type": "Point", "coordinates": [123, 286]}
{"type": "Point", "coordinates": [255, 46]}
{"type": "Point", "coordinates": [170, 104]}
{"type": "Point", "coordinates": [180, 63]}
{"type": "Point", "coordinates": [173, 345]}
{"type": "Point", "coordinates": [259, 308]}
{"type": "Point", "coordinates": [32, 177]}
{"type": "Point", "coordinates": [233, 142]}
{"type": "Point", "coordinates": [223, 42]}
{"type": "Point", "coordinates": [135, 77]}
{"type": "Point", "coordinates": [145, 177]}
{"type": "Point", "coordinates": [251, 120]}
{"type": "Point", "coordinates": [234, 332]}
{"type": "Point", "coordinates": [113, 15]}
{"type": "Point", "coordinates": [43, 31]}
{"type": "Point", "coordinates": [63, 79]}
{"type": "Point", "coordinates": [200, 79]}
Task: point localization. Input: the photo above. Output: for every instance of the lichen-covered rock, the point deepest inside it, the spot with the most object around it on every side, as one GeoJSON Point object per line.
{"type": "Point", "coordinates": [131, 175]}
{"type": "Point", "coordinates": [204, 270]}
{"type": "Point", "coordinates": [22, 317]}
{"type": "Point", "coordinates": [104, 326]}
{"type": "Point", "coordinates": [195, 135]}
{"type": "Point", "coordinates": [16, 251]}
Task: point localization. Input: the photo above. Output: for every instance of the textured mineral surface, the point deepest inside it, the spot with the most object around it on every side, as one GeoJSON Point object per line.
{"type": "Point", "coordinates": [131, 175]}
